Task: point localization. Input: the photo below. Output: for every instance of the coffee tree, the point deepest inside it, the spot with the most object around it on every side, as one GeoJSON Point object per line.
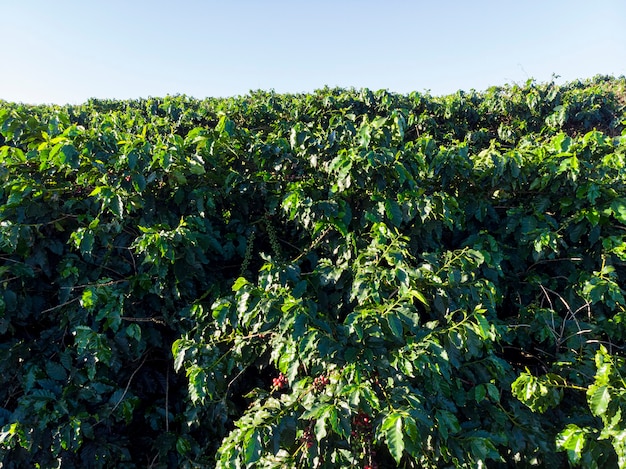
{"type": "Point", "coordinates": [345, 278]}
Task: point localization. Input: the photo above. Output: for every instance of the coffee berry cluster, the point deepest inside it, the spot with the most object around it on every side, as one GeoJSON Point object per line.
{"type": "Point", "coordinates": [363, 436]}
{"type": "Point", "coordinates": [320, 382]}
{"type": "Point", "coordinates": [307, 437]}
{"type": "Point", "coordinates": [362, 427]}
{"type": "Point", "coordinates": [279, 382]}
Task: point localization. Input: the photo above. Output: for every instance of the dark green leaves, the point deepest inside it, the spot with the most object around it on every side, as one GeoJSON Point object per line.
{"type": "Point", "coordinates": [340, 279]}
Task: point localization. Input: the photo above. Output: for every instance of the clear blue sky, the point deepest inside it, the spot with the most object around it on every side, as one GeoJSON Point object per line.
{"type": "Point", "coordinates": [66, 51]}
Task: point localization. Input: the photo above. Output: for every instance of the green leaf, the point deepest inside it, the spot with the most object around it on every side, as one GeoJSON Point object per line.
{"type": "Point", "coordinates": [410, 429]}
{"type": "Point", "coordinates": [69, 156]}
{"type": "Point", "coordinates": [395, 325]}
{"type": "Point", "coordinates": [320, 425]}
{"type": "Point", "coordinates": [134, 331]}
{"type": "Point", "coordinates": [365, 135]}
{"type": "Point", "coordinates": [618, 206]}
{"type": "Point", "coordinates": [288, 363]}
{"type": "Point", "coordinates": [335, 421]}
{"type": "Point", "coordinates": [179, 350]}
{"type": "Point", "coordinates": [391, 428]}
{"type": "Point", "coordinates": [240, 283]}
{"type": "Point", "coordinates": [196, 169]}
{"type": "Point", "coordinates": [132, 158]}
{"type": "Point", "coordinates": [299, 289]}
{"type": "Point", "coordinates": [483, 449]}
{"type": "Point", "coordinates": [56, 371]}
{"type": "Point", "coordinates": [226, 126]}
{"type": "Point", "coordinates": [86, 240]}
{"type": "Point", "coordinates": [480, 392]}
{"type": "Point", "coordinates": [253, 447]}
{"type": "Point", "coordinates": [139, 182]}
{"type": "Point", "coordinates": [66, 360]}
{"type": "Point", "coordinates": [88, 299]}
{"type": "Point", "coordinates": [562, 142]}
{"type": "Point", "coordinates": [493, 391]}
{"type": "Point", "coordinates": [573, 440]}
{"type": "Point", "coordinates": [393, 211]}
{"type": "Point", "coordinates": [447, 423]}
{"type": "Point", "coordinates": [419, 296]}
{"type": "Point", "coordinates": [116, 205]}
{"type": "Point", "coordinates": [196, 378]}
{"type": "Point", "coordinates": [484, 329]}
{"type": "Point", "coordinates": [96, 191]}
{"type": "Point", "coordinates": [183, 446]}
{"type": "Point", "coordinates": [598, 398]}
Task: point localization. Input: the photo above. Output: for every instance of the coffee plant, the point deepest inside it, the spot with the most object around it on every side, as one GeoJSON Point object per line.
{"type": "Point", "coordinates": [345, 278]}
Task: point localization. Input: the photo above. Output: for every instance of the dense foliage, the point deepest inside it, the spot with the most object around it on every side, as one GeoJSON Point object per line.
{"type": "Point", "coordinates": [340, 279]}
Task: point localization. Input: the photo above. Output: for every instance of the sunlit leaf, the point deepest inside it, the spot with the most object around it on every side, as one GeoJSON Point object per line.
{"type": "Point", "coordinates": [598, 398]}
{"type": "Point", "coordinates": [392, 429]}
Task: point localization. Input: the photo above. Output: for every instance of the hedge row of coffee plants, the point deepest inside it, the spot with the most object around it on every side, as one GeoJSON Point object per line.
{"type": "Point", "coordinates": [345, 278]}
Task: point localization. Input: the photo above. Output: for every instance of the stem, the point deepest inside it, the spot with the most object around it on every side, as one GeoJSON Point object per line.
{"type": "Point", "coordinates": [128, 385]}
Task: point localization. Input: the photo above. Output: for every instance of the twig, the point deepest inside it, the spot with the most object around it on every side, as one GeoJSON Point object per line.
{"type": "Point", "coordinates": [560, 259]}
{"type": "Point", "coordinates": [128, 384]}
{"type": "Point", "coordinates": [559, 335]}
{"type": "Point", "coordinates": [315, 242]}
{"type": "Point", "coordinates": [605, 342]}
{"type": "Point", "coordinates": [155, 320]}
{"type": "Point", "coordinates": [105, 284]}
{"type": "Point", "coordinates": [61, 305]}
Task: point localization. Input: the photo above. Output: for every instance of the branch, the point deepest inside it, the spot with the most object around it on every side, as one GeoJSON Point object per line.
{"type": "Point", "coordinates": [128, 384]}
{"type": "Point", "coordinates": [61, 305]}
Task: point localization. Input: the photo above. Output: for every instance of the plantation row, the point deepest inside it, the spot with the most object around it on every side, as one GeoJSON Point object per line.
{"type": "Point", "coordinates": [345, 278]}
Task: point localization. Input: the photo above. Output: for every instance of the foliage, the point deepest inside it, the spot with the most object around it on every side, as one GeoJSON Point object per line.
{"type": "Point", "coordinates": [346, 278]}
